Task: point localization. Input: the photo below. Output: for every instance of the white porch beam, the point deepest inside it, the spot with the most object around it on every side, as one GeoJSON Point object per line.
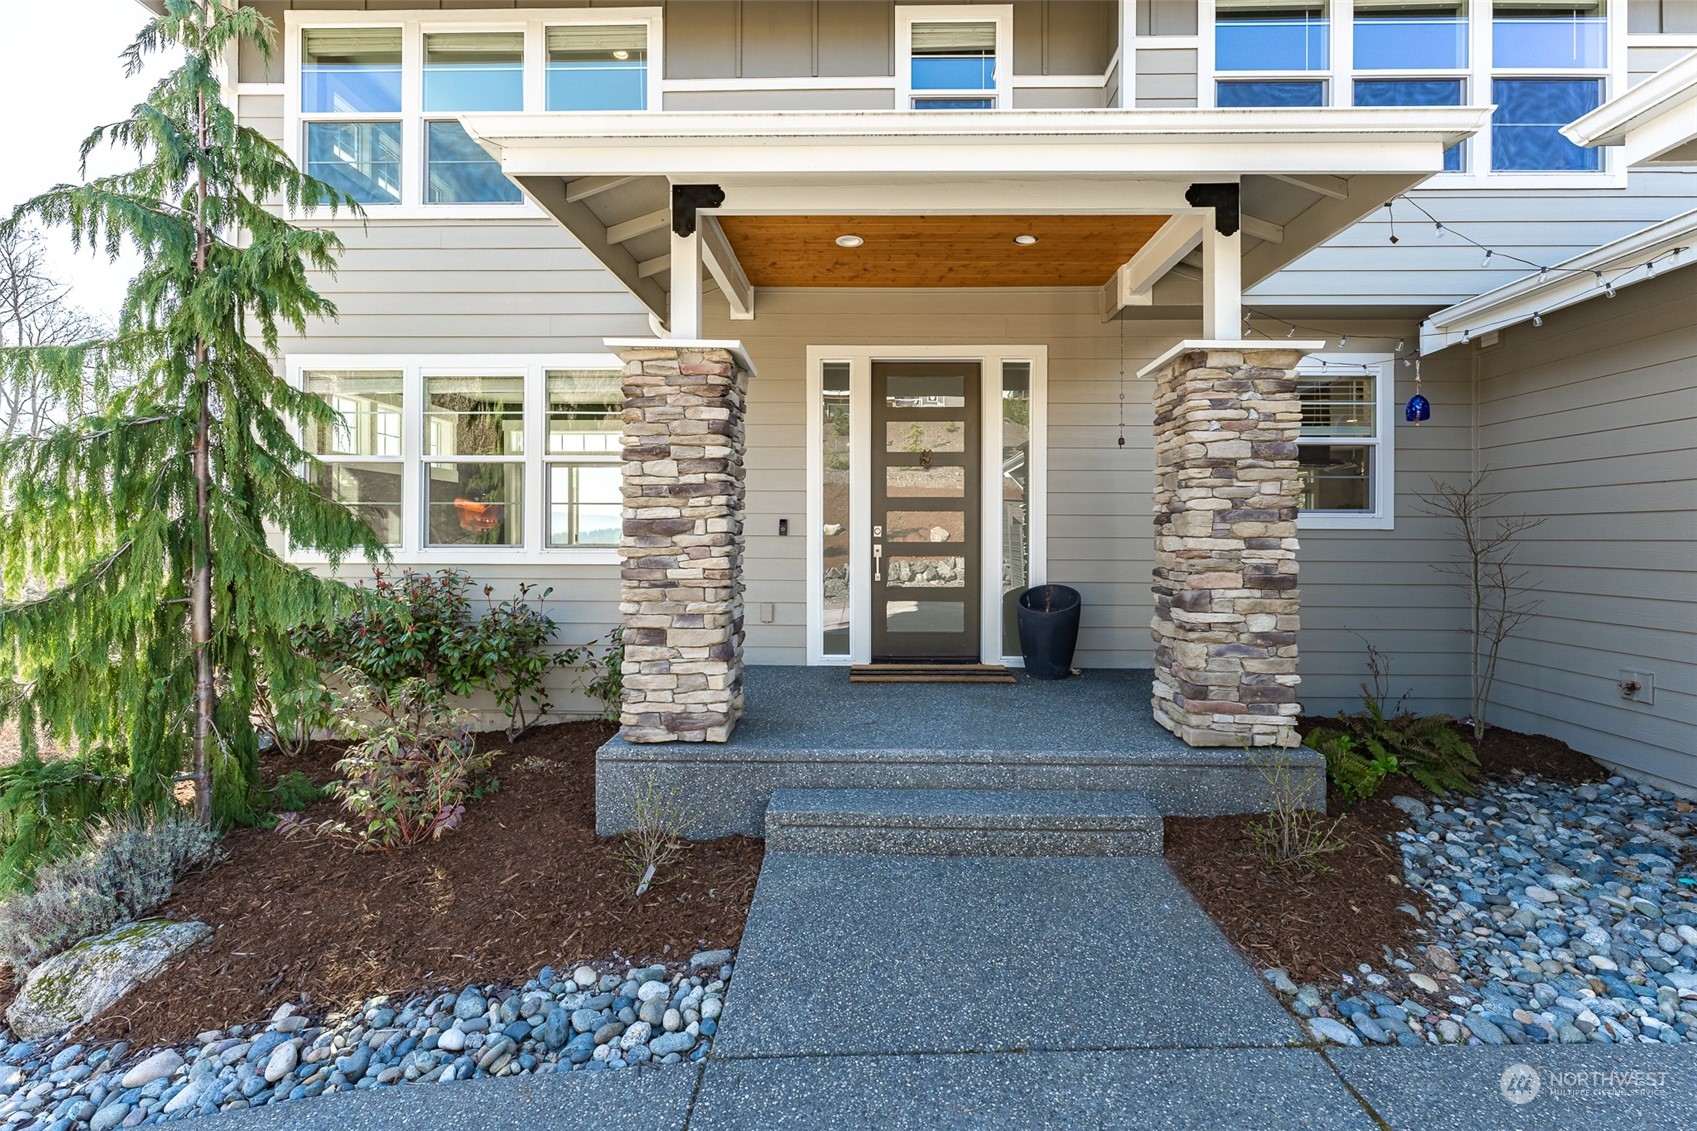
{"type": "Point", "coordinates": [648, 268]}
{"type": "Point", "coordinates": [582, 188]}
{"type": "Point", "coordinates": [721, 259]}
{"type": "Point", "coordinates": [1263, 230]}
{"type": "Point", "coordinates": [684, 321]}
{"type": "Point", "coordinates": [1326, 185]}
{"type": "Point", "coordinates": [586, 227]}
{"type": "Point", "coordinates": [639, 226]}
{"type": "Point", "coordinates": [1134, 282]}
{"type": "Point", "coordinates": [1222, 284]}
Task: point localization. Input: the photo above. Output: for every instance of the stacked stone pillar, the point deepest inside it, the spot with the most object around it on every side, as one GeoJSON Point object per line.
{"type": "Point", "coordinates": [682, 547]}
{"type": "Point", "coordinates": [1226, 493]}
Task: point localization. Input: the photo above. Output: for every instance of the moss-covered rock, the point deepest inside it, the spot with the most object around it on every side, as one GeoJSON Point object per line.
{"type": "Point", "coordinates": [73, 987]}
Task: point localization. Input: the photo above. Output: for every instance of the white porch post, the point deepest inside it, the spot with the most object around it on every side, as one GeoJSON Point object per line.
{"type": "Point", "coordinates": [685, 321]}
{"type": "Point", "coordinates": [1222, 284]}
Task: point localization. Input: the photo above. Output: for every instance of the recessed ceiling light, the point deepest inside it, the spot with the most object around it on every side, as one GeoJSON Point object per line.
{"type": "Point", "coordinates": [1025, 241]}
{"type": "Point", "coordinates": [849, 241]}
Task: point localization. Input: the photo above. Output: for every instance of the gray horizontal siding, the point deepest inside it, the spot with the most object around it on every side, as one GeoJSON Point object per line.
{"type": "Point", "coordinates": [1590, 423]}
{"type": "Point", "coordinates": [1166, 78]}
{"type": "Point", "coordinates": [469, 286]}
{"type": "Point", "coordinates": [1424, 269]}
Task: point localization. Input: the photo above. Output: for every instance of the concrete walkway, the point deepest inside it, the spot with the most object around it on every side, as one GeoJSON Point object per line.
{"type": "Point", "coordinates": [897, 992]}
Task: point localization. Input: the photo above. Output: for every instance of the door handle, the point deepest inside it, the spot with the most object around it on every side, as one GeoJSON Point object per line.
{"type": "Point", "coordinates": [877, 563]}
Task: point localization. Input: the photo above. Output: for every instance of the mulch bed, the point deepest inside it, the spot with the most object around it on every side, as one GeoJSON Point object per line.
{"type": "Point", "coordinates": [1318, 925]}
{"type": "Point", "coordinates": [522, 883]}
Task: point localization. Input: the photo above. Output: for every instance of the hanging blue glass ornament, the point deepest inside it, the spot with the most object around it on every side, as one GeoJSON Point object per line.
{"type": "Point", "coordinates": [1419, 408]}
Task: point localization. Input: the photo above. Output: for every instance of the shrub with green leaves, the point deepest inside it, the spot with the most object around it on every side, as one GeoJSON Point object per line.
{"type": "Point", "coordinates": [608, 676]}
{"type": "Point", "coordinates": [46, 808]}
{"type": "Point", "coordinates": [295, 791]}
{"type": "Point", "coordinates": [127, 868]}
{"type": "Point", "coordinates": [412, 767]}
{"type": "Point", "coordinates": [422, 626]}
{"type": "Point", "coordinates": [1356, 775]}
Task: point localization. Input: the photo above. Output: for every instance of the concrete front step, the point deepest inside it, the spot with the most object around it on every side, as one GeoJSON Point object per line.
{"type": "Point", "coordinates": [964, 822]}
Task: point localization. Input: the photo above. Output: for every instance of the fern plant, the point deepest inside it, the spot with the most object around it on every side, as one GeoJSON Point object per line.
{"type": "Point", "coordinates": [1356, 775]}
{"type": "Point", "coordinates": [1427, 748]}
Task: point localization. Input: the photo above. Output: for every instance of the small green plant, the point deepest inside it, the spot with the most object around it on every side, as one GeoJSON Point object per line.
{"type": "Point", "coordinates": [127, 867]}
{"type": "Point", "coordinates": [655, 838]}
{"type": "Point", "coordinates": [1357, 777]}
{"type": "Point", "coordinates": [412, 767]}
{"type": "Point", "coordinates": [1292, 835]}
{"type": "Point", "coordinates": [295, 791]}
{"type": "Point", "coordinates": [607, 682]}
{"type": "Point", "coordinates": [915, 437]}
{"type": "Point", "coordinates": [291, 718]}
{"type": "Point", "coordinates": [1427, 748]}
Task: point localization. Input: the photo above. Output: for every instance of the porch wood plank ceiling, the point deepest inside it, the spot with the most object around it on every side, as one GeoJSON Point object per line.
{"type": "Point", "coordinates": [938, 197]}
{"type": "Point", "coordinates": [936, 251]}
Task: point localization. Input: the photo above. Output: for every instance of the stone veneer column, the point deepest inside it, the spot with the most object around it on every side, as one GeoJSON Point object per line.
{"type": "Point", "coordinates": [1226, 494]}
{"type": "Point", "coordinates": [681, 592]}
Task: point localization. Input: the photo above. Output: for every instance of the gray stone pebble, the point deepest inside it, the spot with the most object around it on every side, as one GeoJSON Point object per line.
{"type": "Point", "coordinates": [584, 1021]}
{"type": "Point", "coordinates": [1558, 913]}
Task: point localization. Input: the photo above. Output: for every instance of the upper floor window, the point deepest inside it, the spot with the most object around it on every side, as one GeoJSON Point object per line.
{"type": "Point", "coordinates": [598, 68]}
{"type": "Point", "coordinates": [1414, 92]}
{"type": "Point", "coordinates": [1393, 35]}
{"type": "Point", "coordinates": [1526, 129]}
{"type": "Point", "coordinates": [953, 65]}
{"type": "Point", "coordinates": [1269, 93]}
{"type": "Point", "coordinates": [1546, 37]}
{"type": "Point", "coordinates": [379, 106]}
{"type": "Point", "coordinates": [1253, 35]}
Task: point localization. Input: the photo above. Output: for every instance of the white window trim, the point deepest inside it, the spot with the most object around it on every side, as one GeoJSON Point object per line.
{"type": "Point", "coordinates": [414, 25]}
{"type": "Point", "coordinates": [1476, 89]}
{"type": "Point", "coordinates": [413, 369]}
{"type": "Point", "coordinates": [999, 14]}
{"type": "Point", "coordinates": [859, 360]}
{"type": "Point", "coordinates": [1383, 515]}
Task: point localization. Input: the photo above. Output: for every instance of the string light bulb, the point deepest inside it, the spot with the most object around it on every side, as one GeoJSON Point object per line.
{"type": "Point", "coordinates": [1609, 289]}
{"type": "Point", "coordinates": [1537, 319]}
{"type": "Point", "coordinates": [1488, 254]}
{"type": "Point", "coordinates": [1466, 336]}
{"type": "Point", "coordinates": [1438, 225]}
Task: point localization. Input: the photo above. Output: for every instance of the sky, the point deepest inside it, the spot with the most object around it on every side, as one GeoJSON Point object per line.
{"type": "Point", "coordinates": [60, 76]}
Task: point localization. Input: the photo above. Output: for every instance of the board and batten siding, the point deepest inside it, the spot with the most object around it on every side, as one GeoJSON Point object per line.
{"type": "Point", "coordinates": [1589, 422]}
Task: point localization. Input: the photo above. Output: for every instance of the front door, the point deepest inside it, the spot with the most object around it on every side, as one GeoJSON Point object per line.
{"type": "Point", "coordinates": [926, 543]}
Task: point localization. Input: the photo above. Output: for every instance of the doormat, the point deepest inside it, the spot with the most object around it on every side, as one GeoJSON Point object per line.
{"type": "Point", "coordinates": [929, 673]}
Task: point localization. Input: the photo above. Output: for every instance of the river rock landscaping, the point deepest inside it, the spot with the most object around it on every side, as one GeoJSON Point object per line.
{"type": "Point", "coordinates": [512, 945]}
{"type": "Point", "coordinates": [1554, 907]}
{"type": "Point", "coordinates": [583, 1020]}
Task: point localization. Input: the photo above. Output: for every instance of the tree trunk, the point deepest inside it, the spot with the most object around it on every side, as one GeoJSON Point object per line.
{"type": "Point", "coordinates": [200, 598]}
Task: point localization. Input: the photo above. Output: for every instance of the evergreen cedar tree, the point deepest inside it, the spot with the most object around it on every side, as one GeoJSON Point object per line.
{"type": "Point", "coordinates": [146, 522]}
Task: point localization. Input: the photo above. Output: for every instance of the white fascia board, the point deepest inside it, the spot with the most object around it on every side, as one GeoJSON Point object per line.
{"type": "Point", "coordinates": [1566, 284]}
{"type": "Point", "coordinates": [1196, 143]}
{"type": "Point", "coordinates": [1657, 115]}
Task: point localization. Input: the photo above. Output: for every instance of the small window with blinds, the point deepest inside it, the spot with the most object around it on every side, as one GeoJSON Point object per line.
{"type": "Point", "coordinates": [585, 503]}
{"type": "Point", "coordinates": [1338, 448]}
{"type": "Point", "coordinates": [351, 70]}
{"type": "Point", "coordinates": [953, 65]}
{"type": "Point", "coordinates": [598, 67]}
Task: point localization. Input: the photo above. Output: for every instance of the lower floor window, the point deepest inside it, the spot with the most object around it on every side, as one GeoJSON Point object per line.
{"type": "Point", "coordinates": [444, 452]}
{"type": "Point", "coordinates": [1338, 450]}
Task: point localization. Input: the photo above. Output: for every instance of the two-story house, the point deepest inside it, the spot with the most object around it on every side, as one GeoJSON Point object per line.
{"type": "Point", "coordinates": [812, 332]}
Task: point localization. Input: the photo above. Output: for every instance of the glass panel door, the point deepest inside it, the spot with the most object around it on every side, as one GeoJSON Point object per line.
{"type": "Point", "coordinates": [926, 557]}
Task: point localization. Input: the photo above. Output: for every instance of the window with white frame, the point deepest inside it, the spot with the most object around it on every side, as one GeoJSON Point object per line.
{"type": "Point", "coordinates": [585, 502]}
{"type": "Point", "coordinates": [378, 103]}
{"type": "Point", "coordinates": [955, 57]}
{"type": "Point", "coordinates": [360, 454]}
{"type": "Point", "coordinates": [1548, 67]}
{"type": "Point", "coordinates": [1412, 54]}
{"type": "Point", "coordinates": [1275, 46]}
{"type": "Point", "coordinates": [511, 455]}
{"type": "Point", "coordinates": [1343, 446]}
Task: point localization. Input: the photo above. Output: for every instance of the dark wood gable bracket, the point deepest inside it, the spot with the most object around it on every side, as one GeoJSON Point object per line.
{"type": "Point", "coordinates": [687, 199]}
{"type": "Point", "coordinates": [1222, 197]}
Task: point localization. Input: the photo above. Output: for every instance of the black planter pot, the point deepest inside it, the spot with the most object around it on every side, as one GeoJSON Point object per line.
{"type": "Point", "coordinates": [1048, 629]}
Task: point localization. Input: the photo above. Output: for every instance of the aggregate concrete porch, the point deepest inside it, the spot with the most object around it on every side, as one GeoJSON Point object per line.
{"type": "Point", "coordinates": [809, 728]}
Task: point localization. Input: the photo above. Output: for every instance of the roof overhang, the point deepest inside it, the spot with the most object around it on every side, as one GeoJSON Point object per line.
{"type": "Point", "coordinates": [1654, 123]}
{"type": "Point", "coordinates": [1666, 246]}
{"type": "Point", "coordinates": [1303, 175]}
